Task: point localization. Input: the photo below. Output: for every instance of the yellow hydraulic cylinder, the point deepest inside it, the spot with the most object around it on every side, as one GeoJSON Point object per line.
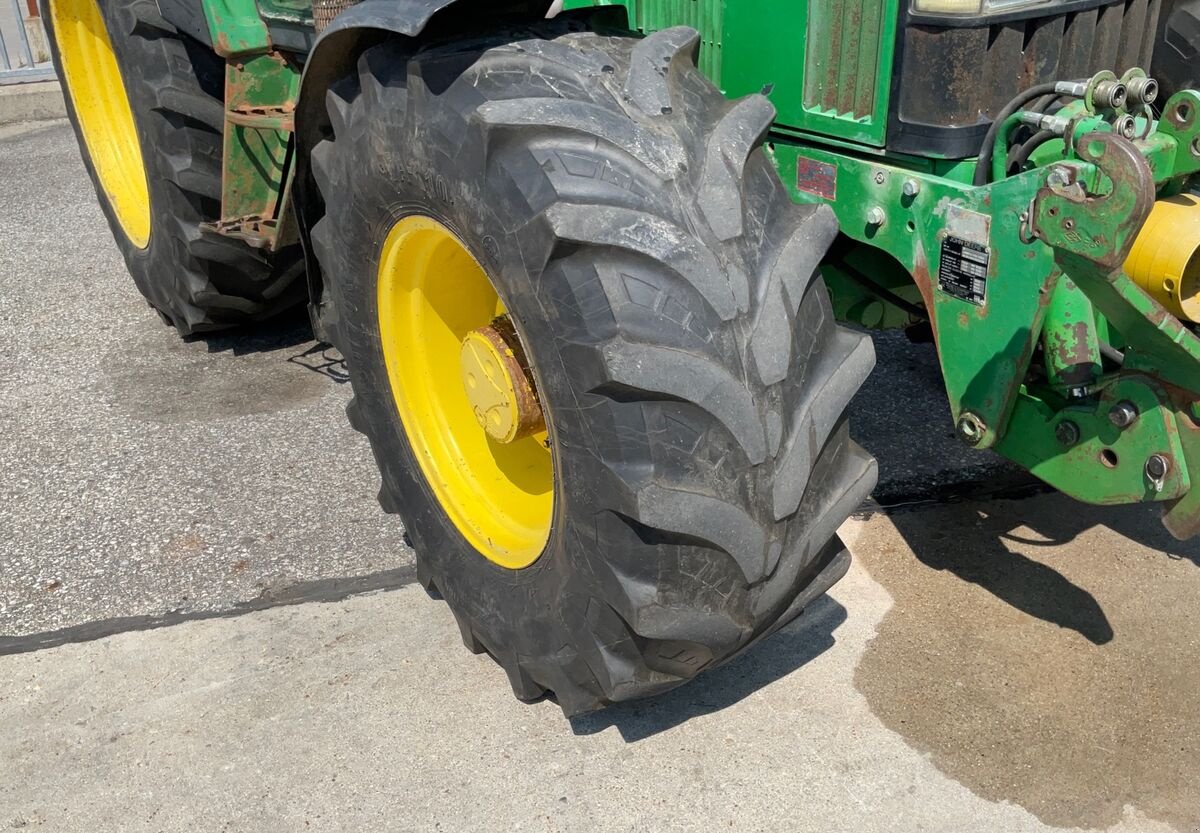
{"type": "Point", "coordinates": [1165, 260]}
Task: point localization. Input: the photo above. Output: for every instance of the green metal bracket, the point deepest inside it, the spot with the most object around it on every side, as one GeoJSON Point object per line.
{"type": "Point", "coordinates": [261, 89]}
{"type": "Point", "coordinates": [988, 331]}
{"type": "Point", "coordinates": [1181, 122]}
{"type": "Point", "coordinates": [1079, 449]}
{"type": "Point", "coordinates": [260, 100]}
{"type": "Point", "coordinates": [1049, 245]}
{"type": "Point", "coordinates": [236, 27]}
{"type": "Point", "coordinates": [1092, 234]}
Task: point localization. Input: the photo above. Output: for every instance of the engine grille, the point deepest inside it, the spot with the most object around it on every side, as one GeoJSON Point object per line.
{"type": "Point", "coordinates": [841, 56]}
{"type": "Point", "coordinates": [324, 11]}
{"type": "Point", "coordinates": [962, 77]}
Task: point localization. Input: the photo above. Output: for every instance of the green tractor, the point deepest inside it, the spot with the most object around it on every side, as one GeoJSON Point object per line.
{"type": "Point", "coordinates": [603, 272]}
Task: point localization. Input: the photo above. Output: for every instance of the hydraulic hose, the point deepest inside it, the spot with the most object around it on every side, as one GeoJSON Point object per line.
{"type": "Point", "coordinates": [984, 166]}
{"type": "Point", "coordinates": [1022, 154]}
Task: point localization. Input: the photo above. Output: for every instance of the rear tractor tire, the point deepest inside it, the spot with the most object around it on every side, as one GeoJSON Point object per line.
{"type": "Point", "coordinates": [589, 348]}
{"type": "Point", "coordinates": [147, 106]}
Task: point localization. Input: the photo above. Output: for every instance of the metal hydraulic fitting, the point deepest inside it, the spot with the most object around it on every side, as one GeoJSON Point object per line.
{"type": "Point", "coordinates": [1055, 124]}
{"type": "Point", "coordinates": [1142, 89]}
{"type": "Point", "coordinates": [1075, 89]}
{"type": "Point", "coordinates": [1110, 94]}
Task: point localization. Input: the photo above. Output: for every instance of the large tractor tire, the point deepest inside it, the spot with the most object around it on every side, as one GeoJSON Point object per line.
{"type": "Point", "coordinates": [602, 382]}
{"type": "Point", "coordinates": [146, 105]}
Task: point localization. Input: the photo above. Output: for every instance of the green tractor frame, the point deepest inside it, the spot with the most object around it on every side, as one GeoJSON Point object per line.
{"type": "Point", "coordinates": [591, 266]}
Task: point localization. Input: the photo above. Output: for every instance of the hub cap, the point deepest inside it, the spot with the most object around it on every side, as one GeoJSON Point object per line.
{"type": "Point", "coordinates": [498, 385]}
{"type": "Point", "coordinates": [93, 80]}
{"type": "Point", "coordinates": [464, 394]}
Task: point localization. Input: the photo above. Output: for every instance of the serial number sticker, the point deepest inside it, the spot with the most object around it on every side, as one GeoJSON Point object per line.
{"type": "Point", "coordinates": [964, 269]}
{"type": "Point", "coordinates": [815, 177]}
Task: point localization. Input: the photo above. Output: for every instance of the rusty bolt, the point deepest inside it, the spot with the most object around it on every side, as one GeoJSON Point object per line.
{"type": "Point", "coordinates": [971, 429]}
{"type": "Point", "coordinates": [1157, 466]}
{"type": "Point", "coordinates": [1067, 432]}
{"type": "Point", "coordinates": [1123, 414]}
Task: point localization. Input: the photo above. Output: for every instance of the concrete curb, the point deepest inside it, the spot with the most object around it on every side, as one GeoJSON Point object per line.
{"type": "Point", "coordinates": [35, 101]}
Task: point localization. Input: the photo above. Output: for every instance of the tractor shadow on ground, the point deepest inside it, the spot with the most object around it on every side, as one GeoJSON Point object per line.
{"type": "Point", "coordinates": [975, 540]}
{"type": "Point", "coordinates": [287, 331]}
{"type": "Point", "coordinates": [799, 643]}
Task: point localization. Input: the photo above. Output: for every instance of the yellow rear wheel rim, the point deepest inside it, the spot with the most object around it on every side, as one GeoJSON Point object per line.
{"type": "Point", "coordinates": [432, 295]}
{"type": "Point", "coordinates": [101, 105]}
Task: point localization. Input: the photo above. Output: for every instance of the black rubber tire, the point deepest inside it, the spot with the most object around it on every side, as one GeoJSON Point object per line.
{"type": "Point", "coordinates": [197, 280]}
{"type": "Point", "coordinates": [664, 287]}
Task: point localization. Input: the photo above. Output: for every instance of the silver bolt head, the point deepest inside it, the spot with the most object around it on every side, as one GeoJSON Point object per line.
{"type": "Point", "coordinates": [876, 216]}
{"type": "Point", "coordinates": [911, 187]}
{"type": "Point", "coordinates": [1123, 414]}
{"type": "Point", "coordinates": [1057, 177]}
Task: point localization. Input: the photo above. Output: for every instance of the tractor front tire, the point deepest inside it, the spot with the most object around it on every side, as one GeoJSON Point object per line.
{"type": "Point", "coordinates": [147, 106]}
{"type": "Point", "coordinates": [663, 296]}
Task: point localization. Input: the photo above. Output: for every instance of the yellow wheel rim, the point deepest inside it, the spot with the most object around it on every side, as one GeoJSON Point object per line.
{"type": "Point", "coordinates": [458, 386]}
{"type": "Point", "coordinates": [97, 92]}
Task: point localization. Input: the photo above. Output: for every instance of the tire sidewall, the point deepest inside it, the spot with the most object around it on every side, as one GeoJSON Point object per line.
{"type": "Point", "coordinates": [449, 188]}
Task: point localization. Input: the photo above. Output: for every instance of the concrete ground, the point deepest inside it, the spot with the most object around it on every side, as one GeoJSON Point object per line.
{"type": "Point", "coordinates": [206, 623]}
{"type": "Point", "coordinates": [31, 101]}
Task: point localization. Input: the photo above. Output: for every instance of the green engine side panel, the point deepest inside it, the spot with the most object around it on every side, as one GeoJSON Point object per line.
{"type": "Point", "coordinates": [826, 64]}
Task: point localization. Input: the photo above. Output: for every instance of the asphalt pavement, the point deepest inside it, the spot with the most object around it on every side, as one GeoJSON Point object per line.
{"type": "Point", "coordinates": [206, 623]}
